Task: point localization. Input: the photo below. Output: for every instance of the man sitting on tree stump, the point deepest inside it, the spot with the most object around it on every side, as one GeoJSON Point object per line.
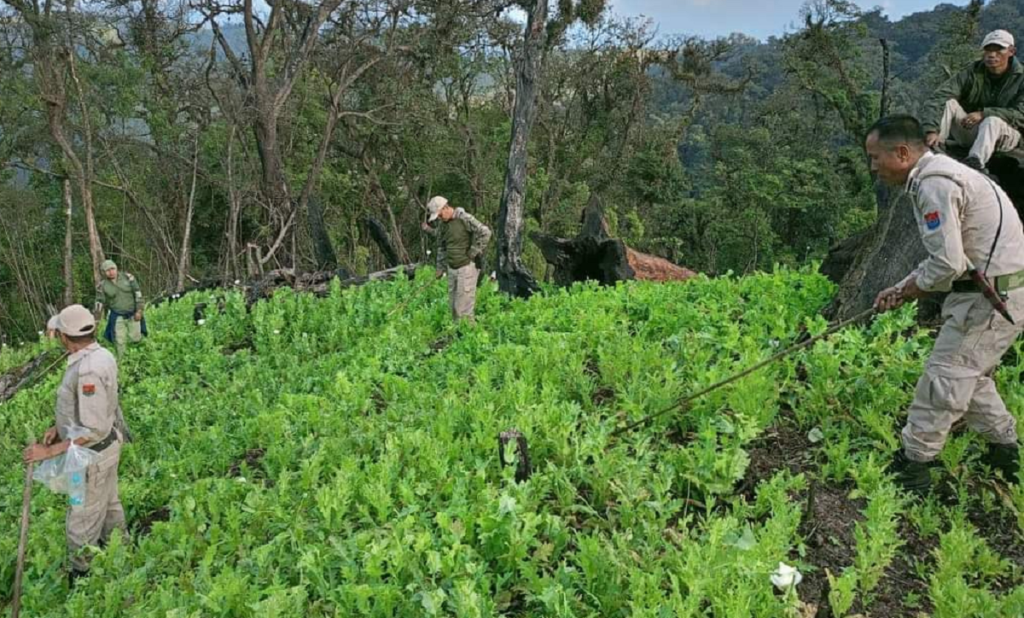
{"type": "Point", "coordinates": [462, 239]}
{"type": "Point", "coordinates": [982, 107]}
{"type": "Point", "coordinates": [967, 224]}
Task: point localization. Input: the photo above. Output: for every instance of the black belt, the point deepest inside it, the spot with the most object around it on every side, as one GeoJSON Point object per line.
{"type": "Point", "coordinates": [104, 443]}
{"type": "Point", "coordinates": [965, 287]}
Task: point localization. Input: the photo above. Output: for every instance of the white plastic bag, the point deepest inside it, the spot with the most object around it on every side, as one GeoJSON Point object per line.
{"type": "Point", "coordinates": [65, 474]}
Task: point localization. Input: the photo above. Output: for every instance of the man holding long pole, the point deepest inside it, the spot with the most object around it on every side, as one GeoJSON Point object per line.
{"type": "Point", "coordinates": [975, 242]}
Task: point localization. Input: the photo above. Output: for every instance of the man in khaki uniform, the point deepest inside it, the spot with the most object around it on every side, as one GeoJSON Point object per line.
{"type": "Point", "coordinates": [87, 399]}
{"type": "Point", "coordinates": [121, 295]}
{"type": "Point", "coordinates": [462, 240]}
{"type": "Point", "coordinates": [966, 222]}
{"type": "Point", "coordinates": [981, 107]}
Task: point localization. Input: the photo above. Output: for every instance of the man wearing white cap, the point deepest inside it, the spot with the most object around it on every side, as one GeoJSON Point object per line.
{"type": "Point", "coordinates": [87, 399]}
{"type": "Point", "coordinates": [981, 107]}
{"type": "Point", "coordinates": [462, 239]}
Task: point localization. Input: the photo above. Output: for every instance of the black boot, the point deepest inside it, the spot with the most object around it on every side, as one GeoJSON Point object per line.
{"type": "Point", "coordinates": [913, 476]}
{"type": "Point", "coordinates": [74, 575]}
{"type": "Point", "coordinates": [1005, 458]}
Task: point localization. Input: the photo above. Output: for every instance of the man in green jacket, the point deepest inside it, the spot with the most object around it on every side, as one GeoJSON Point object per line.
{"type": "Point", "coordinates": [462, 239]}
{"type": "Point", "coordinates": [981, 107]}
{"type": "Point", "coordinates": [121, 295]}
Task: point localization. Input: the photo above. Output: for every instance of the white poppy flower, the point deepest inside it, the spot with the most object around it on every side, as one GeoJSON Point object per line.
{"type": "Point", "coordinates": [786, 577]}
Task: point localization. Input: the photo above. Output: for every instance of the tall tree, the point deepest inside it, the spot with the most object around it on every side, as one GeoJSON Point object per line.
{"type": "Point", "coordinates": [539, 36]}
{"type": "Point", "coordinates": [278, 52]}
{"type": "Point", "coordinates": [54, 33]}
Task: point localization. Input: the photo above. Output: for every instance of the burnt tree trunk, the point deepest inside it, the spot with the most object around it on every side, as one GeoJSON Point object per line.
{"type": "Point", "coordinates": [379, 234]}
{"type": "Point", "coordinates": [323, 248]}
{"type": "Point", "coordinates": [513, 277]}
{"type": "Point", "coordinates": [594, 255]}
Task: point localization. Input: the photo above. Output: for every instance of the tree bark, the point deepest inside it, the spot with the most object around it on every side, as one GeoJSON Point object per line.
{"type": "Point", "coordinates": [186, 241]}
{"type": "Point", "coordinates": [231, 267]}
{"type": "Point", "coordinates": [888, 252]}
{"type": "Point", "coordinates": [513, 277]}
{"type": "Point", "coordinates": [51, 76]}
{"type": "Point", "coordinates": [69, 275]}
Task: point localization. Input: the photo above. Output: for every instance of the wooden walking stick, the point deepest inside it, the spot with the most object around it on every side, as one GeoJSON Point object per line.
{"type": "Point", "coordinates": [26, 504]}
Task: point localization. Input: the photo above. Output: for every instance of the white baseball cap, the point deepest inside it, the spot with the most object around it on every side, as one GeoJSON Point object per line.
{"type": "Point", "coordinates": [74, 321]}
{"type": "Point", "coordinates": [1002, 38]}
{"type": "Point", "coordinates": [435, 205]}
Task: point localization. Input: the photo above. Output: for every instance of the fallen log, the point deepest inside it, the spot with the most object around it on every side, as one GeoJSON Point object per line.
{"type": "Point", "coordinates": [21, 377]}
{"type": "Point", "coordinates": [319, 283]}
{"type": "Point", "coordinates": [594, 255]}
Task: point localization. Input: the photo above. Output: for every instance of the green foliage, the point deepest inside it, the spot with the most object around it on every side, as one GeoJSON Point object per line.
{"type": "Point", "coordinates": [375, 488]}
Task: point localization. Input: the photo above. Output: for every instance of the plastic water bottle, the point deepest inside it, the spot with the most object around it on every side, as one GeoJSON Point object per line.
{"type": "Point", "coordinates": [76, 487]}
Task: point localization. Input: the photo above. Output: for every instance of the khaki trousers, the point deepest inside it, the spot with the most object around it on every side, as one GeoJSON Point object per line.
{"type": "Point", "coordinates": [957, 379]}
{"type": "Point", "coordinates": [101, 513]}
{"type": "Point", "coordinates": [985, 139]}
{"type": "Point", "coordinates": [462, 291]}
{"type": "Point", "coordinates": [125, 330]}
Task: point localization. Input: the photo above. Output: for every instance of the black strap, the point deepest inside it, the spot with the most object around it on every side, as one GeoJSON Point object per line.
{"type": "Point", "coordinates": [999, 230]}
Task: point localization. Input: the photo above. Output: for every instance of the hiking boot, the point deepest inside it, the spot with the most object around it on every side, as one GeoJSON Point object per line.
{"type": "Point", "coordinates": [1005, 458]}
{"type": "Point", "coordinates": [74, 575]}
{"type": "Point", "coordinates": [913, 476]}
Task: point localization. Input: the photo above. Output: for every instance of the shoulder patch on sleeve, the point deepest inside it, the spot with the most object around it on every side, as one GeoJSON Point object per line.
{"type": "Point", "coordinates": [932, 220]}
{"type": "Point", "coordinates": [88, 388]}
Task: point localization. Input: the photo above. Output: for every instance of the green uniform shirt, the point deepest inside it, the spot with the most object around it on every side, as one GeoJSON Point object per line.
{"type": "Point", "coordinates": [122, 295]}
{"type": "Point", "coordinates": [462, 239]}
{"type": "Point", "coordinates": [976, 90]}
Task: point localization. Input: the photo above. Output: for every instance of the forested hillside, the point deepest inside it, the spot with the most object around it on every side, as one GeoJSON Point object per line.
{"type": "Point", "coordinates": [188, 147]}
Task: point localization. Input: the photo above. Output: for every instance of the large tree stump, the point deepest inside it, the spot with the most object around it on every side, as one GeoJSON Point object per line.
{"type": "Point", "coordinates": [594, 255]}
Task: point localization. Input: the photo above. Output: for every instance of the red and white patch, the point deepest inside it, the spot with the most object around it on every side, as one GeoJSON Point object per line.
{"type": "Point", "coordinates": [932, 220]}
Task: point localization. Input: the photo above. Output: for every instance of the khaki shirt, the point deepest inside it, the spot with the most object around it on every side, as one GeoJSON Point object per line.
{"type": "Point", "coordinates": [957, 211]}
{"type": "Point", "coordinates": [87, 396]}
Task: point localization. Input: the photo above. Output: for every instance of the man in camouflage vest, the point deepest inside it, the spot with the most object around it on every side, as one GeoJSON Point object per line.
{"type": "Point", "coordinates": [121, 295]}
{"type": "Point", "coordinates": [462, 240]}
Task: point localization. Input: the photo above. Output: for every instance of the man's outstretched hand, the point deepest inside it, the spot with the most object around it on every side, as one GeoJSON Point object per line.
{"type": "Point", "coordinates": [894, 297]}
{"type": "Point", "coordinates": [888, 299]}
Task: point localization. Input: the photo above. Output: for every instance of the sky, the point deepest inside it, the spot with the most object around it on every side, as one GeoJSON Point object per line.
{"type": "Point", "coordinates": [759, 18]}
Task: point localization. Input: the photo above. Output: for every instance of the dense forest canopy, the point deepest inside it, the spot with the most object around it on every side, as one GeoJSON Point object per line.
{"type": "Point", "coordinates": [201, 140]}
